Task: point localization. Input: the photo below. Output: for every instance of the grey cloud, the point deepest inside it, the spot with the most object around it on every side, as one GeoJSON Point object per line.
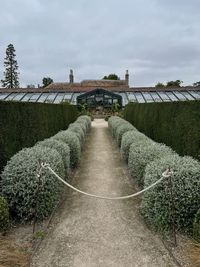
{"type": "Point", "coordinates": [156, 40]}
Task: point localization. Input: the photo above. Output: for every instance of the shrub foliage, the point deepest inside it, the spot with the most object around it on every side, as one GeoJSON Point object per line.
{"type": "Point", "coordinates": [61, 147]}
{"type": "Point", "coordinates": [143, 153]}
{"type": "Point", "coordinates": [129, 138]}
{"type": "Point", "coordinates": [71, 139]}
{"type": "Point", "coordinates": [157, 203]}
{"type": "Point", "coordinates": [20, 183]}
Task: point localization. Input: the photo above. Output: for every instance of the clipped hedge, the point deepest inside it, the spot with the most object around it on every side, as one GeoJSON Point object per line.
{"type": "Point", "coordinates": [156, 204]}
{"type": "Point", "coordinates": [113, 123]}
{"type": "Point", "coordinates": [196, 226]}
{"type": "Point", "coordinates": [85, 123]}
{"type": "Point", "coordinates": [61, 147]}
{"type": "Point", "coordinates": [177, 124]}
{"type": "Point", "coordinates": [86, 119]}
{"type": "Point", "coordinates": [20, 183]}
{"type": "Point", "coordinates": [121, 130]}
{"type": "Point", "coordinates": [141, 154]}
{"type": "Point", "coordinates": [22, 124]}
{"type": "Point", "coordinates": [71, 139]}
{"type": "Point", "coordinates": [132, 137]}
{"type": "Point", "coordinates": [78, 129]}
{"type": "Point", "coordinates": [4, 214]}
{"type": "Point", "coordinates": [118, 127]}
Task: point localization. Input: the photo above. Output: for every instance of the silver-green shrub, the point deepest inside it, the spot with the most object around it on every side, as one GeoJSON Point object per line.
{"type": "Point", "coordinates": [20, 183]}
{"type": "Point", "coordinates": [113, 123]}
{"type": "Point", "coordinates": [61, 147]}
{"type": "Point", "coordinates": [86, 120]}
{"type": "Point", "coordinates": [196, 226]}
{"type": "Point", "coordinates": [132, 137]}
{"type": "Point", "coordinates": [142, 153]}
{"type": "Point", "coordinates": [157, 204]}
{"type": "Point", "coordinates": [4, 214]}
{"type": "Point", "coordinates": [73, 142]}
{"type": "Point", "coordinates": [78, 129]}
{"type": "Point", "coordinates": [125, 127]}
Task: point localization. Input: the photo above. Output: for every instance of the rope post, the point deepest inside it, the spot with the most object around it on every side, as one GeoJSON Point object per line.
{"type": "Point", "coordinates": [38, 176]}
{"type": "Point", "coordinates": [168, 174]}
{"type": "Point", "coordinates": [172, 211]}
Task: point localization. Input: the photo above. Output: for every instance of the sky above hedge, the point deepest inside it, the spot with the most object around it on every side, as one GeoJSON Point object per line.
{"type": "Point", "coordinates": [157, 40]}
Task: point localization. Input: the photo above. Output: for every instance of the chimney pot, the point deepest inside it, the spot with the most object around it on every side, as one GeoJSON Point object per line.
{"type": "Point", "coordinates": [71, 77]}
{"type": "Point", "coordinates": [127, 77]}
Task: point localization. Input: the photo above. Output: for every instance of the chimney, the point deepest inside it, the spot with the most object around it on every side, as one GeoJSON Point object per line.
{"type": "Point", "coordinates": [127, 77]}
{"type": "Point", "coordinates": [71, 77]}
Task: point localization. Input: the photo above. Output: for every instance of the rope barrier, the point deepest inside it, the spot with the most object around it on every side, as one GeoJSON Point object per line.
{"type": "Point", "coordinates": [165, 174]}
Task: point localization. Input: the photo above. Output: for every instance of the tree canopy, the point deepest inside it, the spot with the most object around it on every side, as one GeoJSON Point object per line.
{"type": "Point", "coordinates": [111, 76]}
{"type": "Point", "coordinates": [159, 85]}
{"type": "Point", "coordinates": [176, 83]}
{"type": "Point", "coordinates": [11, 79]}
{"type": "Point", "coordinates": [46, 81]}
{"type": "Point", "coordinates": [196, 84]}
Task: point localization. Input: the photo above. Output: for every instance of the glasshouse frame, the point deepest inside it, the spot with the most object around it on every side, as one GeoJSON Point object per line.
{"type": "Point", "coordinates": [99, 97]}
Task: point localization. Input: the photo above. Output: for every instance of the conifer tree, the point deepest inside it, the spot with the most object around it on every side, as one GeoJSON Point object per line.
{"type": "Point", "coordinates": [11, 75]}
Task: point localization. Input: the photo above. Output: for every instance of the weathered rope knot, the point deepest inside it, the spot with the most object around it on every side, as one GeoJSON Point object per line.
{"type": "Point", "coordinates": [45, 165]}
{"type": "Point", "coordinates": [167, 173]}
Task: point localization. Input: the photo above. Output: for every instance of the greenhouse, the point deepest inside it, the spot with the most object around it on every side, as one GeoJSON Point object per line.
{"type": "Point", "coordinates": [142, 95]}
{"type": "Point", "coordinates": [99, 92]}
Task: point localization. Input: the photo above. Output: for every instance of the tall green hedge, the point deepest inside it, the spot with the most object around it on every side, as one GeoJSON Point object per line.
{"type": "Point", "coordinates": [23, 124]}
{"type": "Point", "coordinates": [177, 124]}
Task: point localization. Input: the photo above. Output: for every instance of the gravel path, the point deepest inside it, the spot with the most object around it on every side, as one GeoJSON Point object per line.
{"type": "Point", "coordinates": [93, 232]}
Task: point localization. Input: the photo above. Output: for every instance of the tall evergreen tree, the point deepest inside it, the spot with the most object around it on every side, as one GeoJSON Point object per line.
{"type": "Point", "coordinates": [11, 75]}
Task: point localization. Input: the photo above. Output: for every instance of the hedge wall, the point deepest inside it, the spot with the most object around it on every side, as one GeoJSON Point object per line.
{"type": "Point", "coordinates": [177, 124]}
{"type": "Point", "coordinates": [23, 124]}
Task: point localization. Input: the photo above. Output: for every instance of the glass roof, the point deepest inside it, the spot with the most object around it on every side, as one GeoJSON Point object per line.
{"type": "Point", "coordinates": [188, 96]}
{"type": "Point", "coordinates": [140, 97]}
{"type": "Point", "coordinates": [156, 97]}
{"type": "Point", "coordinates": [172, 96]}
{"type": "Point", "coordinates": [147, 97]}
{"type": "Point", "coordinates": [59, 98]}
{"type": "Point", "coordinates": [125, 99]}
{"type": "Point", "coordinates": [180, 96]}
{"type": "Point", "coordinates": [11, 96]}
{"type": "Point", "coordinates": [73, 99]}
{"type": "Point", "coordinates": [163, 96]}
{"type": "Point", "coordinates": [43, 97]}
{"type": "Point", "coordinates": [131, 97]}
{"type": "Point", "coordinates": [50, 97]}
{"type": "Point", "coordinates": [195, 94]}
{"type": "Point", "coordinates": [18, 96]}
{"type": "Point", "coordinates": [34, 97]}
{"type": "Point", "coordinates": [26, 97]}
{"type": "Point", "coordinates": [3, 96]}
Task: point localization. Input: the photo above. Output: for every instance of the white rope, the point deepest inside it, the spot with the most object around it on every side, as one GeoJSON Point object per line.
{"type": "Point", "coordinates": [166, 174]}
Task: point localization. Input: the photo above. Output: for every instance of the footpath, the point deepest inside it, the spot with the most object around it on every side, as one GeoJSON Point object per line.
{"type": "Point", "coordinates": [90, 232]}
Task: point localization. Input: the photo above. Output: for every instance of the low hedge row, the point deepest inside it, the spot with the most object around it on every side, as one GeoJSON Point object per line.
{"type": "Point", "coordinates": [147, 160]}
{"type": "Point", "coordinates": [157, 203]}
{"type": "Point", "coordinates": [118, 127]}
{"type": "Point", "coordinates": [141, 154]}
{"type": "Point", "coordinates": [28, 196]}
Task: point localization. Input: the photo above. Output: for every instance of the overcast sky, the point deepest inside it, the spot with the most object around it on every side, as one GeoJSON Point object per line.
{"type": "Point", "coordinates": [156, 40]}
